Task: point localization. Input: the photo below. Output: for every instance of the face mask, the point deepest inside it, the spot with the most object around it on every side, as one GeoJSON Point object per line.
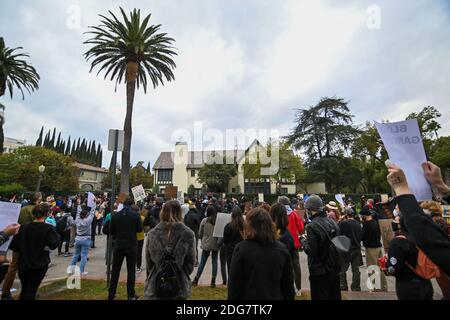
{"type": "Point", "coordinates": [396, 213]}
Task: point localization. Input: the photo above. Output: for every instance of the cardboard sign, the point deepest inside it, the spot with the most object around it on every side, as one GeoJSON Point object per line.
{"type": "Point", "coordinates": [222, 220]}
{"type": "Point", "coordinates": [170, 192]}
{"type": "Point", "coordinates": [387, 234]}
{"type": "Point", "coordinates": [139, 193]}
{"type": "Point", "coordinates": [9, 214]}
{"type": "Point", "coordinates": [404, 145]}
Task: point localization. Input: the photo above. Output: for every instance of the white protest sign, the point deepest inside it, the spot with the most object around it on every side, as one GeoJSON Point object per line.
{"type": "Point", "coordinates": [91, 201]}
{"type": "Point", "coordinates": [384, 197]}
{"type": "Point", "coordinates": [404, 145]}
{"type": "Point", "coordinates": [180, 197]}
{"type": "Point", "coordinates": [261, 197]}
{"type": "Point", "coordinates": [222, 220]}
{"type": "Point", "coordinates": [9, 214]}
{"type": "Point", "coordinates": [340, 199]}
{"type": "Point", "coordinates": [138, 193]}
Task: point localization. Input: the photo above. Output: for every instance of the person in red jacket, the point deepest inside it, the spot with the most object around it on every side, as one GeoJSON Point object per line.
{"type": "Point", "coordinates": [296, 227]}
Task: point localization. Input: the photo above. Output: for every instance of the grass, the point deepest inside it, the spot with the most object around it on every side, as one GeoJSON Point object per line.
{"type": "Point", "coordinates": [96, 290]}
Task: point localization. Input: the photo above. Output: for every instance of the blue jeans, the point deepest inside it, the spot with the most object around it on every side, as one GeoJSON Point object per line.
{"type": "Point", "coordinates": [204, 259]}
{"type": "Point", "coordinates": [81, 248]}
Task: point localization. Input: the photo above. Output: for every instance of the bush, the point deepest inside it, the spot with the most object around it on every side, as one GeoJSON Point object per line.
{"type": "Point", "coordinates": [11, 189]}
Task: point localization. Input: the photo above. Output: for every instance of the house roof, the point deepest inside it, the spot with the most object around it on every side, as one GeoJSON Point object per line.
{"type": "Point", "coordinates": [196, 159]}
{"type": "Point", "coordinates": [88, 167]}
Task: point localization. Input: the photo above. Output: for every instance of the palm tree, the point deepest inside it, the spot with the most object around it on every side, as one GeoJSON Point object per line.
{"type": "Point", "coordinates": [14, 72]}
{"type": "Point", "coordinates": [130, 51]}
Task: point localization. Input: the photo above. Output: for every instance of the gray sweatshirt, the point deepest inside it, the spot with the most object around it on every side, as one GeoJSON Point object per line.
{"type": "Point", "coordinates": [84, 225]}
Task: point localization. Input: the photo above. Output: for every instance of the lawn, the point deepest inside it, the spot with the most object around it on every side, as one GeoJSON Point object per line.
{"type": "Point", "coordinates": [96, 290]}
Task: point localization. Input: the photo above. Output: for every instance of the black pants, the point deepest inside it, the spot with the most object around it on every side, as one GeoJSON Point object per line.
{"type": "Point", "coordinates": [3, 272]}
{"type": "Point", "coordinates": [415, 289]}
{"type": "Point", "coordinates": [93, 228]}
{"type": "Point", "coordinates": [140, 245]}
{"type": "Point", "coordinates": [99, 223]}
{"type": "Point", "coordinates": [223, 264]}
{"type": "Point", "coordinates": [325, 287]}
{"type": "Point", "coordinates": [65, 237]}
{"type": "Point", "coordinates": [118, 255]}
{"type": "Point", "coordinates": [30, 279]}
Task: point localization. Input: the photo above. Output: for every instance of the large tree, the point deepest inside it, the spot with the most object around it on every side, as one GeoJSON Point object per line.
{"type": "Point", "coordinates": [216, 176]}
{"type": "Point", "coordinates": [21, 167]}
{"type": "Point", "coordinates": [15, 72]}
{"type": "Point", "coordinates": [324, 132]}
{"type": "Point", "coordinates": [130, 50]}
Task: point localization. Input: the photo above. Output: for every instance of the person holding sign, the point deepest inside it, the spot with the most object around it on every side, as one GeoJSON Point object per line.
{"type": "Point", "coordinates": [10, 230]}
{"type": "Point", "coordinates": [426, 234]}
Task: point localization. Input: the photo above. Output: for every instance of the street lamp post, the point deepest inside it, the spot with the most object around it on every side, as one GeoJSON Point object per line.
{"type": "Point", "coordinates": [41, 173]}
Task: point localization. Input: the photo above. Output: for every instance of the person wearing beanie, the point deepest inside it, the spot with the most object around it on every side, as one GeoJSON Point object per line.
{"type": "Point", "coordinates": [296, 227]}
{"type": "Point", "coordinates": [372, 241]}
{"type": "Point", "coordinates": [323, 267]}
{"type": "Point", "coordinates": [353, 230]}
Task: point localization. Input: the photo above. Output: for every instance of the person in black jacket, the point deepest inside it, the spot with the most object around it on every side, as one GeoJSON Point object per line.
{"type": "Point", "coordinates": [371, 238]}
{"type": "Point", "coordinates": [233, 233]}
{"type": "Point", "coordinates": [426, 234]}
{"type": "Point", "coordinates": [402, 258]}
{"type": "Point", "coordinates": [323, 268]}
{"type": "Point", "coordinates": [192, 220]}
{"type": "Point", "coordinates": [279, 216]}
{"type": "Point", "coordinates": [123, 228]}
{"type": "Point", "coordinates": [353, 230]}
{"type": "Point", "coordinates": [34, 242]}
{"type": "Point", "coordinates": [261, 267]}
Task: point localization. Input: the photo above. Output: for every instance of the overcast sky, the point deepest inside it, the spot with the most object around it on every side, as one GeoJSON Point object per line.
{"type": "Point", "coordinates": [242, 64]}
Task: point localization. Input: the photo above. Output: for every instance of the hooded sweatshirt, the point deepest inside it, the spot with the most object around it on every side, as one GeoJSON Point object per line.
{"type": "Point", "coordinates": [295, 226]}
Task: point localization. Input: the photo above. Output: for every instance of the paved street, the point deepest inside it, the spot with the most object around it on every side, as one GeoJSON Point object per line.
{"type": "Point", "coordinates": [96, 269]}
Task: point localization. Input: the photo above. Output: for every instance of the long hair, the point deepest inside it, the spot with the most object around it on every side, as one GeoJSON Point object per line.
{"type": "Point", "coordinates": [171, 212]}
{"type": "Point", "coordinates": [211, 214]}
{"type": "Point", "coordinates": [279, 216]}
{"type": "Point", "coordinates": [237, 220]}
{"type": "Point", "coordinates": [259, 227]}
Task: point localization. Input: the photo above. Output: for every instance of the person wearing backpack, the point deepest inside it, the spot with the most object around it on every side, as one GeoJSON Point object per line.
{"type": "Point", "coordinates": [209, 245]}
{"type": "Point", "coordinates": [372, 242]}
{"type": "Point", "coordinates": [401, 262]}
{"type": "Point", "coordinates": [63, 225]}
{"type": "Point", "coordinates": [323, 262]}
{"type": "Point", "coordinates": [170, 256]}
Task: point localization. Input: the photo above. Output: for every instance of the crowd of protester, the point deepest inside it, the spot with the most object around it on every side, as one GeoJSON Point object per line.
{"type": "Point", "coordinates": [258, 253]}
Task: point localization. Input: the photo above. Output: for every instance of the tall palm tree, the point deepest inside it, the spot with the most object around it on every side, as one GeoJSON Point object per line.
{"type": "Point", "coordinates": [14, 72]}
{"type": "Point", "coordinates": [130, 50]}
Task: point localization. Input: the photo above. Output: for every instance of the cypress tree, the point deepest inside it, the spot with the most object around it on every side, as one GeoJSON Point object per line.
{"type": "Point", "coordinates": [39, 140]}
{"type": "Point", "coordinates": [72, 152]}
{"type": "Point", "coordinates": [148, 167]}
{"type": "Point", "coordinates": [67, 149]}
{"type": "Point", "coordinates": [52, 142]}
{"type": "Point", "coordinates": [58, 143]}
{"type": "Point", "coordinates": [78, 149]}
{"type": "Point", "coordinates": [47, 140]}
{"type": "Point", "coordinates": [99, 156]}
{"type": "Point", "coordinates": [93, 154]}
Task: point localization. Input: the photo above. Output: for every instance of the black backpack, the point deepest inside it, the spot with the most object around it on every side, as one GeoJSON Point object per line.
{"type": "Point", "coordinates": [338, 250]}
{"type": "Point", "coordinates": [61, 224]}
{"type": "Point", "coordinates": [168, 281]}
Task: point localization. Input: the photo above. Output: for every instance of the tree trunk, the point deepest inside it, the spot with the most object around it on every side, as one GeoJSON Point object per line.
{"type": "Point", "coordinates": [2, 137]}
{"type": "Point", "coordinates": [132, 69]}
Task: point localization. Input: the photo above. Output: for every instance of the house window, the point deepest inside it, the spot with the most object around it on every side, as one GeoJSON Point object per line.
{"type": "Point", "coordinates": [192, 173]}
{"type": "Point", "coordinates": [284, 190]}
{"type": "Point", "coordinates": [164, 175]}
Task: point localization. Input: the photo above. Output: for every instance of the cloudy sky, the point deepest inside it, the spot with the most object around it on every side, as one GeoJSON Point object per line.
{"type": "Point", "coordinates": [242, 64]}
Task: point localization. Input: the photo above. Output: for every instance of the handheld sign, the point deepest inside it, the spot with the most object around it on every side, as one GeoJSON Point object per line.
{"type": "Point", "coordinates": [261, 197]}
{"type": "Point", "coordinates": [339, 199]}
{"type": "Point", "coordinates": [222, 220]}
{"type": "Point", "coordinates": [9, 214]}
{"type": "Point", "coordinates": [138, 193]}
{"type": "Point", "coordinates": [387, 234]}
{"type": "Point", "coordinates": [404, 145]}
{"type": "Point", "coordinates": [91, 201]}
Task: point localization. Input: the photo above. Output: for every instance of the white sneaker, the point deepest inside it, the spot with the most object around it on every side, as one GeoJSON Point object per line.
{"type": "Point", "coordinates": [299, 293]}
{"type": "Point", "coordinates": [70, 270]}
{"type": "Point", "coordinates": [84, 274]}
